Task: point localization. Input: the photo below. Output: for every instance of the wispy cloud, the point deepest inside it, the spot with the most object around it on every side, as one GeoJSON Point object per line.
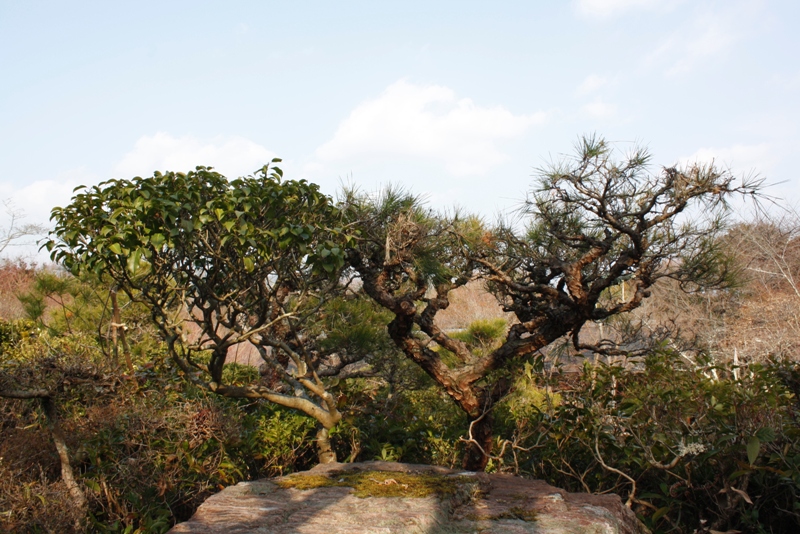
{"type": "Point", "coordinates": [590, 84]}
{"type": "Point", "coordinates": [231, 156]}
{"type": "Point", "coordinates": [598, 109]}
{"type": "Point", "coordinates": [430, 122]}
{"type": "Point", "coordinates": [740, 158]}
{"type": "Point", "coordinates": [707, 35]}
{"type": "Point", "coordinates": [605, 9]}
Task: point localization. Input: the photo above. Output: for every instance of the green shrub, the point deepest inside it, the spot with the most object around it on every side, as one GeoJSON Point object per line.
{"type": "Point", "coordinates": [528, 399]}
{"type": "Point", "coordinates": [14, 332]}
{"type": "Point", "coordinates": [700, 452]}
{"type": "Point", "coordinates": [146, 449]}
{"type": "Point", "coordinates": [284, 440]}
{"type": "Point", "coordinates": [482, 332]}
{"type": "Point", "coordinates": [487, 331]}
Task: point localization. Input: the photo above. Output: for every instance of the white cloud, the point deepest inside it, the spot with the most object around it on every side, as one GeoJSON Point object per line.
{"type": "Point", "coordinates": [590, 84]}
{"type": "Point", "coordinates": [231, 156]}
{"type": "Point", "coordinates": [34, 201]}
{"type": "Point", "coordinates": [739, 158]}
{"type": "Point", "coordinates": [706, 36]}
{"type": "Point", "coordinates": [600, 110]}
{"type": "Point", "coordinates": [686, 49]}
{"type": "Point", "coordinates": [427, 122]}
{"type": "Point", "coordinates": [37, 199]}
{"type": "Point", "coordinates": [610, 8]}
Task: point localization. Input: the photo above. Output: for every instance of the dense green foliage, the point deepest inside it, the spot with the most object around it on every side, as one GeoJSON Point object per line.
{"type": "Point", "coordinates": [174, 228]}
{"type": "Point", "coordinates": [222, 266]}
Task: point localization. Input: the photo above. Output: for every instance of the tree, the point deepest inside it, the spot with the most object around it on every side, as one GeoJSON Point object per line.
{"type": "Point", "coordinates": [15, 230]}
{"type": "Point", "coordinates": [247, 262]}
{"type": "Point", "coordinates": [593, 224]}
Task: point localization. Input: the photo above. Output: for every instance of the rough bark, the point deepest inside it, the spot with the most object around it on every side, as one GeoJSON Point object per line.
{"type": "Point", "coordinates": [458, 382]}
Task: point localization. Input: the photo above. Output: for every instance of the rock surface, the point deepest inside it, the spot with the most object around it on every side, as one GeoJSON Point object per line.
{"type": "Point", "coordinates": [488, 503]}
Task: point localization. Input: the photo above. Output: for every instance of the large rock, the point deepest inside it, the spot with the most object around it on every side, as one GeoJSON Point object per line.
{"type": "Point", "coordinates": [385, 497]}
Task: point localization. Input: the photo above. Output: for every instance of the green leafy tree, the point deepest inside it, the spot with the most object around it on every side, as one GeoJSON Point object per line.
{"type": "Point", "coordinates": [592, 224]}
{"type": "Point", "coordinates": [221, 264]}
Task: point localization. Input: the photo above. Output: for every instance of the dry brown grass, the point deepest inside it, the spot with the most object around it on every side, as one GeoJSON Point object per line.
{"type": "Point", "coordinates": [16, 276]}
{"type": "Point", "coordinates": [32, 494]}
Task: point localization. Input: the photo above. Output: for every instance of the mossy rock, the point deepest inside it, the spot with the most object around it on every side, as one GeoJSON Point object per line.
{"type": "Point", "coordinates": [515, 512]}
{"type": "Point", "coordinates": [383, 483]}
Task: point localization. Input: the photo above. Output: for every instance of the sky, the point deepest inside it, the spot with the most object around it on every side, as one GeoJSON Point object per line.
{"type": "Point", "coordinates": [458, 101]}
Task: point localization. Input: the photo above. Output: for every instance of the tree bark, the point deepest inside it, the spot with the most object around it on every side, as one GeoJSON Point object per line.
{"type": "Point", "coordinates": [325, 453]}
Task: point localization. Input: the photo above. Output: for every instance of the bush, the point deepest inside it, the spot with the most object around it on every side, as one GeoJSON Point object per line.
{"type": "Point", "coordinates": [482, 332]}
{"type": "Point", "coordinates": [687, 451]}
{"type": "Point", "coordinates": [486, 330]}
{"type": "Point", "coordinates": [147, 449]}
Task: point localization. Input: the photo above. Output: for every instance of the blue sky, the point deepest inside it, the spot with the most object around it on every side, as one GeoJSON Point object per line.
{"type": "Point", "coordinates": [459, 101]}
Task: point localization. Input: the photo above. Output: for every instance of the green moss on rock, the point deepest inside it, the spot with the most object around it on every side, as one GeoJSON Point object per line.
{"type": "Point", "coordinates": [381, 483]}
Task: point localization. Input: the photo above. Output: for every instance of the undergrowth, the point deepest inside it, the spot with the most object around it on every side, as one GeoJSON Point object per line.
{"type": "Point", "coordinates": [690, 446]}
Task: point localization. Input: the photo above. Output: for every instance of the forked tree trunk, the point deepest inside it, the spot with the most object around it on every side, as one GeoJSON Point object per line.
{"type": "Point", "coordinates": [325, 453]}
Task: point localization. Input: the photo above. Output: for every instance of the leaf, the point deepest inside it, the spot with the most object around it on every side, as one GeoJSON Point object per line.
{"type": "Point", "coordinates": [744, 495]}
{"type": "Point", "coordinates": [133, 261]}
{"type": "Point", "coordinates": [660, 513]}
{"type": "Point", "coordinates": [249, 264]}
{"type": "Point", "coordinates": [157, 240]}
{"type": "Point", "coordinates": [651, 496]}
{"type": "Point", "coordinates": [766, 434]}
{"type": "Point", "coordinates": [753, 448]}
{"type": "Point", "coordinates": [115, 248]}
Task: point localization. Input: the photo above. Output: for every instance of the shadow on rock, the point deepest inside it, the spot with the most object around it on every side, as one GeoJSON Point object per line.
{"type": "Point", "coordinates": [387, 497]}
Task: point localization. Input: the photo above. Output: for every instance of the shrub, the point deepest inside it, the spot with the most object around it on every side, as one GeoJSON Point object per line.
{"type": "Point", "coordinates": [486, 331]}
{"type": "Point", "coordinates": [147, 449]}
{"type": "Point", "coordinates": [685, 450]}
